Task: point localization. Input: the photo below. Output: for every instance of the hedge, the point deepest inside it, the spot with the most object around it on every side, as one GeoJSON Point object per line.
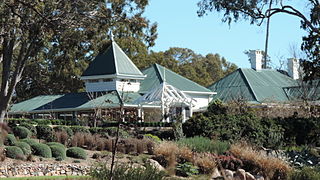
{"type": "Point", "coordinates": [25, 147]}
{"type": "Point", "coordinates": [80, 129]}
{"type": "Point", "coordinates": [29, 141]}
{"type": "Point", "coordinates": [10, 140]}
{"type": "Point", "coordinates": [31, 127]}
{"type": "Point", "coordinates": [14, 152]}
{"type": "Point", "coordinates": [76, 152]}
{"type": "Point", "coordinates": [64, 128]}
{"type": "Point", "coordinates": [21, 132]}
{"type": "Point", "coordinates": [56, 144]}
{"type": "Point", "coordinates": [58, 152]}
{"type": "Point", "coordinates": [41, 150]}
{"type": "Point", "coordinates": [45, 132]}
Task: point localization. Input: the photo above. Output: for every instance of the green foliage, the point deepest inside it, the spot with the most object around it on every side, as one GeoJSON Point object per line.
{"type": "Point", "coordinates": [187, 169]}
{"type": "Point", "coordinates": [42, 150]}
{"type": "Point", "coordinates": [266, 132]}
{"type": "Point", "coordinates": [306, 173]}
{"type": "Point", "coordinates": [153, 137]}
{"type": "Point", "coordinates": [112, 131]}
{"type": "Point", "coordinates": [56, 144]}
{"type": "Point", "coordinates": [21, 132]}
{"type": "Point", "coordinates": [31, 127]}
{"type": "Point", "coordinates": [122, 172]}
{"type": "Point", "coordinates": [79, 129]}
{"type": "Point", "coordinates": [14, 152]}
{"type": "Point", "coordinates": [45, 132]}
{"type": "Point", "coordinates": [58, 151]}
{"type": "Point", "coordinates": [25, 147]}
{"type": "Point", "coordinates": [29, 141]}
{"type": "Point", "coordinates": [217, 107]}
{"type": "Point", "coordinates": [76, 152]}
{"type": "Point", "coordinates": [10, 140]}
{"type": "Point", "coordinates": [203, 144]}
{"type": "Point", "coordinates": [64, 128]}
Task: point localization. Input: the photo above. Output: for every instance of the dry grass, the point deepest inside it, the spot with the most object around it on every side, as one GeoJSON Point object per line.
{"type": "Point", "coordinates": [62, 137]}
{"type": "Point", "coordinates": [168, 150]}
{"type": "Point", "coordinates": [206, 162]}
{"type": "Point", "coordinates": [271, 167]}
{"type": "Point", "coordinates": [185, 155]}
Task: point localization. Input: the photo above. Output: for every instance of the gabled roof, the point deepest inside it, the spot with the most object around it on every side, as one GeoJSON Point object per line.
{"type": "Point", "coordinates": [265, 85]}
{"type": "Point", "coordinates": [156, 75]}
{"type": "Point", "coordinates": [73, 102]}
{"type": "Point", "coordinates": [112, 62]}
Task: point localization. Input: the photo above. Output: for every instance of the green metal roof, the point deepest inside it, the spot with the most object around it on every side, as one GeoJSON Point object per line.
{"type": "Point", "coordinates": [156, 74]}
{"type": "Point", "coordinates": [305, 91]}
{"type": "Point", "coordinates": [112, 62]}
{"type": "Point", "coordinates": [74, 102]}
{"type": "Point", "coordinates": [265, 85]}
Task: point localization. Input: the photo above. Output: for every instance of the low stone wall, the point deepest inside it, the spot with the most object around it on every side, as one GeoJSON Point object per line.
{"type": "Point", "coordinates": [42, 169]}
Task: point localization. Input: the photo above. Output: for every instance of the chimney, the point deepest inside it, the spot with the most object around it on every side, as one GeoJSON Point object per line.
{"type": "Point", "coordinates": [293, 68]}
{"type": "Point", "coordinates": [255, 58]}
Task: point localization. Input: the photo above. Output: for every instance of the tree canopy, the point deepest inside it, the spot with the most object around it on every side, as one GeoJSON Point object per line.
{"type": "Point", "coordinates": [256, 11]}
{"type": "Point", "coordinates": [54, 39]}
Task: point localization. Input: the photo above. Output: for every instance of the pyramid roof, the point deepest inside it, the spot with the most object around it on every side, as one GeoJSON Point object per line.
{"type": "Point", "coordinates": [112, 63]}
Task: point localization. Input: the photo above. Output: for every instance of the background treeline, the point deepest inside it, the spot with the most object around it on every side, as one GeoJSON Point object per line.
{"type": "Point", "coordinates": [56, 68]}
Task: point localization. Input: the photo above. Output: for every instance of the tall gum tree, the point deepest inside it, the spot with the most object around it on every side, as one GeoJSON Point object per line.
{"type": "Point", "coordinates": [256, 11]}
{"type": "Point", "coordinates": [29, 28]}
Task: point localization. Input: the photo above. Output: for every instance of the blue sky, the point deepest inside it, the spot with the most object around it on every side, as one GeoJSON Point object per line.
{"type": "Point", "coordinates": [179, 26]}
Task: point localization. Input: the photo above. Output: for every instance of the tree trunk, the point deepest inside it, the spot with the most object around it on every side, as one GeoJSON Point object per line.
{"type": "Point", "coordinates": [3, 108]}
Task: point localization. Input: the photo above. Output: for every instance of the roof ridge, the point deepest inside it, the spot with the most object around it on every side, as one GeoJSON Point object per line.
{"type": "Point", "coordinates": [114, 57]}
{"type": "Point", "coordinates": [223, 78]}
{"type": "Point", "coordinates": [250, 87]}
{"type": "Point", "coordinates": [158, 71]}
{"type": "Point", "coordinates": [184, 78]}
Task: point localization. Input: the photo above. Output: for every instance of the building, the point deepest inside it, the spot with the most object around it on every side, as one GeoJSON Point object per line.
{"type": "Point", "coordinates": [111, 80]}
{"type": "Point", "coordinates": [259, 85]}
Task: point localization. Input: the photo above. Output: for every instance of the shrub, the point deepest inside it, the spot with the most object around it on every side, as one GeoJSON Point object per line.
{"type": "Point", "coordinates": [25, 147]}
{"type": "Point", "coordinates": [14, 152]}
{"type": "Point", "coordinates": [10, 140]}
{"type": "Point", "coordinates": [22, 132]}
{"type": "Point", "coordinates": [153, 137]}
{"type": "Point", "coordinates": [76, 152]}
{"type": "Point", "coordinates": [58, 151]}
{"type": "Point", "coordinates": [78, 140]}
{"type": "Point", "coordinates": [306, 173]}
{"type": "Point", "coordinates": [112, 131]}
{"type": "Point", "coordinates": [42, 150]}
{"type": "Point", "coordinates": [45, 132]}
{"type": "Point", "coordinates": [187, 169]}
{"type": "Point", "coordinates": [202, 144]}
{"type": "Point", "coordinates": [206, 162]}
{"type": "Point", "coordinates": [167, 153]}
{"type": "Point", "coordinates": [79, 129]}
{"type": "Point", "coordinates": [29, 141]}
{"type": "Point", "coordinates": [62, 137]}
{"type": "Point", "coordinates": [271, 167]}
{"type": "Point", "coordinates": [64, 128]}
{"type": "Point", "coordinates": [122, 172]}
{"type": "Point", "coordinates": [56, 144]}
{"type": "Point", "coordinates": [31, 127]}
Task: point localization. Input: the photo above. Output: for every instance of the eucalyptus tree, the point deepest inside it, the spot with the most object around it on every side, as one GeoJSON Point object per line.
{"type": "Point", "coordinates": [256, 11]}
{"type": "Point", "coordinates": [55, 38]}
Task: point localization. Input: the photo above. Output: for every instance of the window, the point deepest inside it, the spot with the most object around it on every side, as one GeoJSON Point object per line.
{"type": "Point", "coordinates": [133, 80]}
{"type": "Point", "coordinates": [93, 80]}
{"type": "Point", "coordinates": [107, 80]}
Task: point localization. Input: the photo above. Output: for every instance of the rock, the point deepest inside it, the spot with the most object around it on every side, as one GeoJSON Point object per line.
{"type": "Point", "coordinates": [240, 174]}
{"type": "Point", "coordinates": [228, 173]}
{"type": "Point", "coordinates": [215, 174]}
{"type": "Point", "coordinates": [259, 178]}
{"type": "Point", "coordinates": [250, 176]}
{"type": "Point", "coordinates": [155, 164]}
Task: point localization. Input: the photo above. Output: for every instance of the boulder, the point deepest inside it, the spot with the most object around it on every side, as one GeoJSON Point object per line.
{"type": "Point", "coordinates": [155, 164]}
{"type": "Point", "coordinates": [240, 174]}
{"type": "Point", "coordinates": [228, 173]}
{"type": "Point", "coordinates": [249, 176]}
